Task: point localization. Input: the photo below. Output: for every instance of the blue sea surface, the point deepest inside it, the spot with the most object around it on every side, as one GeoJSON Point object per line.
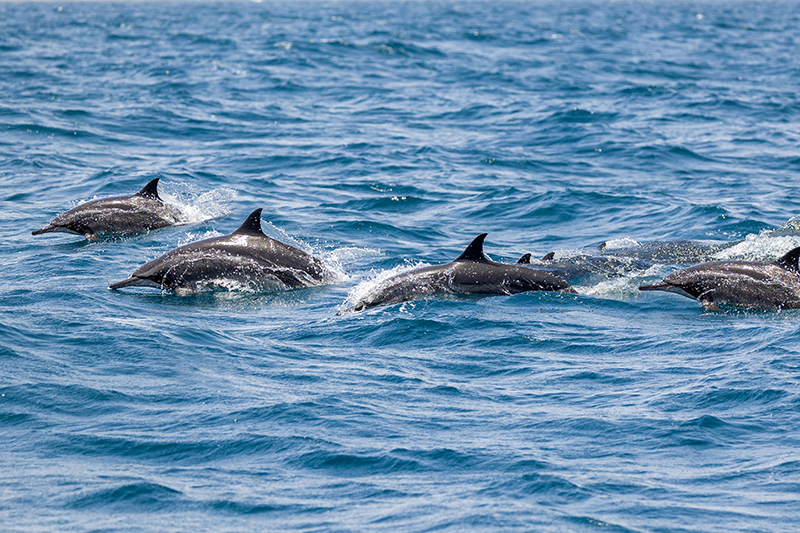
{"type": "Point", "coordinates": [380, 136]}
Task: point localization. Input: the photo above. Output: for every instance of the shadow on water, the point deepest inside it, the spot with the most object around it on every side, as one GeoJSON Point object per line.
{"type": "Point", "coordinates": [83, 242]}
{"type": "Point", "coordinates": [72, 246]}
{"type": "Point", "coordinates": [229, 299]}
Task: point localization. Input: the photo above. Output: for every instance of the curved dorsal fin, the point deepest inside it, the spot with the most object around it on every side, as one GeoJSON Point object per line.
{"type": "Point", "coordinates": [474, 251]}
{"type": "Point", "coordinates": [251, 226]}
{"type": "Point", "coordinates": [789, 261]}
{"type": "Point", "coordinates": [549, 257]}
{"type": "Point", "coordinates": [524, 260]}
{"type": "Point", "coordinates": [150, 190]}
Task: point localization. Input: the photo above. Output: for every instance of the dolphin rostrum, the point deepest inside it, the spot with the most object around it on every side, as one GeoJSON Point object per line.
{"type": "Point", "coordinates": [121, 215]}
{"type": "Point", "coordinates": [738, 283]}
{"type": "Point", "coordinates": [246, 256]}
{"type": "Point", "coordinates": [471, 273]}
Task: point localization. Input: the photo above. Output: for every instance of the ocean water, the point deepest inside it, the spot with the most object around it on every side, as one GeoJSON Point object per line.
{"type": "Point", "coordinates": [380, 136]}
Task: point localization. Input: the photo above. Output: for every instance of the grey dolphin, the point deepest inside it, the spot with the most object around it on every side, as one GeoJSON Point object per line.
{"type": "Point", "coordinates": [121, 215]}
{"type": "Point", "coordinates": [471, 273]}
{"type": "Point", "coordinates": [246, 256]}
{"type": "Point", "coordinates": [738, 283]}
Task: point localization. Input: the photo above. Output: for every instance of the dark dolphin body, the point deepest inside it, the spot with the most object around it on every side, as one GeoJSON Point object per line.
{"type": "Point", "coordinates": [471, 273]}
{"type": "Point", "coordinates": [738, 283]}
{"type": "Point", "coordinates": [122, 215]}
{"type": "Point", "coordinates": [246, 256]}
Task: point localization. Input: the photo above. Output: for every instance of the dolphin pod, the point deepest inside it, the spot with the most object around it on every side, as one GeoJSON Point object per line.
{"type": "Point", "coordinates": [121, 215]}
{"type": "Point", "coordinates": [249, 258]}
{"type": "Point", "coordinates": [470, 273]}
{"type": "Point", "coordinates": [246, 256]}
{"type": "Point", "coordinates": [745, 284]}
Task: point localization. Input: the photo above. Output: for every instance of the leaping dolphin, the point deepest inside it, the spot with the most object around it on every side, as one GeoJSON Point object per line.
{"type": "Point", "coordinates": [471, 273]}
{"type": "Point", "coordinates": [121, 215]}
{"type": "Point", "coordinates": [738, 283]}
{"type": "Point", "coordinates": [246, 256]}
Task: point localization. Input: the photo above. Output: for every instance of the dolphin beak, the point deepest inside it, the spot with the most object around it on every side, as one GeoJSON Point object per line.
{"type": "Point", "coordinates": [656, 287]}
{"type": "Point", "coordinates": [669, 287]}
{"type": "Point", "coordinates": [52, 228]}
{"type": "Point", "coordinates": [46, 229]}
{"type": "Point", "coordinates": [126, 283]}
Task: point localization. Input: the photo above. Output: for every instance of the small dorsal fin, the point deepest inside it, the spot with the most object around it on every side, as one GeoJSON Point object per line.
{"type": "Point", "coordinates": [524, 260]}
{"type": "Point", "coordinates": [789, 261]}
{"type": "Point", "coordinates": [150, 190]}
{"type": "Point", "coordinates": [251, 226]}
{"type": "Point", "coordinates": [549, 257]}
{"type": "Point", "coordinates": [474, 251]}
{"type": "Point", "coordinates": [602, 246]}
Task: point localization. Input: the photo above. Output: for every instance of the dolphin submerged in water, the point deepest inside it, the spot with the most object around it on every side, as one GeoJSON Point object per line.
{"type": "Point", "coordinates": [471, 273]}
{"type": "Point", "coordinates": [246, 257]}
{"type": "Point", "coordinates": [744, 284]}
{"type": "Point", "coordinates": [121, 215]}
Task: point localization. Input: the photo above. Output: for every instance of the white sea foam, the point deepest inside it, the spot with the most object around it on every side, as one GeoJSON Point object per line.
{"type": "Point", "coordinates": [626, 286]}
{"type": "Point", "coordinates": [197, 207]}
{"type": "Point", "coordinates": [623, 243]}
{"type": "Point", "coordinates": [759, 247]}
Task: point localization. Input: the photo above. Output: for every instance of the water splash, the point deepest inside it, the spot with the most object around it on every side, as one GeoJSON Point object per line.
{"type": "Point", "coordinates": [759, 247]}
{"type": "Point", "coordinates": [198, 207]}
{"type": "Point", "coordinates": [375, 280]}
{"type": "Point", "coordinates": [626, 286]}
{"type": "Point", "coordinates": [620, 244]}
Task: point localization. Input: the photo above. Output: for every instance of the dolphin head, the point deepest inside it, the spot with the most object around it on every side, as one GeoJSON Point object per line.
{"type": "Point", "coordinates": [738, 283]}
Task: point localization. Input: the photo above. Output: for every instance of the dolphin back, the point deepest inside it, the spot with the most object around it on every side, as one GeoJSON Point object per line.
{"type": "Point", "coordinates": [470, 273]}
{"type": "Point", "coordinates": [246, 256]}
{"type": "Point", "coordinates": [121, 215]}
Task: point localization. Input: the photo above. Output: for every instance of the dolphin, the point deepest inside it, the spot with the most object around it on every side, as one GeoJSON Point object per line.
{"type": "Point", "coordinates": [471, 273]}
{"type": "Point", "coordinates": [121, 215]}
{"type": "Point", "coordinates": [246, 256]}
{"type": "Point", "coordinates": [738, 283]}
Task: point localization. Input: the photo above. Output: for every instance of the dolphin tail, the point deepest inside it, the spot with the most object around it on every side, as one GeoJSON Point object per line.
{"type": "Point", "coordinates": [126, 283]}
{"type": "Point", "coordinates": [656, 287]}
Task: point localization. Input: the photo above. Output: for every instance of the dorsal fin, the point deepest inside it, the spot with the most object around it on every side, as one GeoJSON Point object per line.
{"type": "Point", "coordinates": [150, 190]}
{"type": "Point", "coordinates": [251, 226]}
{"type": "Point", "coordinates": [524, 260]}
{"type": "Point", "coordinates": [602, 246]}
{"type": "Point", "coordinates": [474, 251]}
{"type": "Point", "coordinates": [789, 261]}
{"type": "Point", "coordinates": [549, 257]}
